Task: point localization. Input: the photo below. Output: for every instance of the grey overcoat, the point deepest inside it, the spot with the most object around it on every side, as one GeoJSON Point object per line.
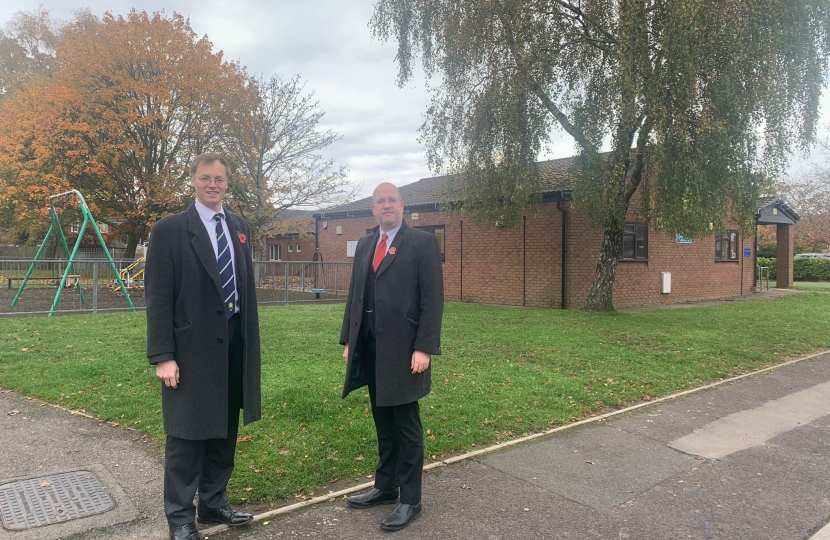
{"type": "Point", "coordinates": [186, 321]}
{"type": "Point", "coordinates": [409, 299]}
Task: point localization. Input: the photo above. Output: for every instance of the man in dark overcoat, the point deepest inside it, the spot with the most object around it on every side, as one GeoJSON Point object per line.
{"type": "Point", "coordinates": [203, 337]}
{"type": "Point", "coordinates": [391, 328]}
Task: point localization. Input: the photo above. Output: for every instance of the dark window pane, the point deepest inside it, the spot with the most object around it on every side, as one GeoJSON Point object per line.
{"type": "Point", "coordinates": [641, 251]}
{"type": "Point", "coordinates": [628, 246]}
{"type": "Point", "coordinates": [439, 232]}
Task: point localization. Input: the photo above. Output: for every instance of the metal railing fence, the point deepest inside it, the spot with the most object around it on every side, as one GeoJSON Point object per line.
{"type": "Point", "coordinates": [277, 282]}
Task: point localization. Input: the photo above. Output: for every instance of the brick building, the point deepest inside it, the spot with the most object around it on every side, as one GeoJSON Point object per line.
{"type": "Point", "coordinates": [550, 259]}
{"type": "Point", "coordinates": [294, 240]}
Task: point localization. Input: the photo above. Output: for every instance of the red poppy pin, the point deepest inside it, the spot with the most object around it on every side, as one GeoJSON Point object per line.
{"type": "Point", "coordinates": [392, 251]}
{"type": "Point", "coordinates": [242, 238]}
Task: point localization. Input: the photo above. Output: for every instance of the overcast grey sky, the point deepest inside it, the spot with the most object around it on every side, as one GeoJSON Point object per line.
{"type": "Point", "coordinates": [329, 44]}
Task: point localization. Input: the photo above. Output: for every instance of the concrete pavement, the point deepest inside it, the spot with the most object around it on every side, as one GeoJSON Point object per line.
{"type": "Point", "coordinates": [748, 459]}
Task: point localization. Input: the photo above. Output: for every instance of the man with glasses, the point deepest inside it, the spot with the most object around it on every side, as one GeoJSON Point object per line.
{"type": "Point", "coordinates": [203, 338]}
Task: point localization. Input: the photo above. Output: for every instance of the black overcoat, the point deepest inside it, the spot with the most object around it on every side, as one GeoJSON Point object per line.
{"type": "Point", "coordinates": [409, 304]}
{"type": "Point", "coordinates": [186, 321]}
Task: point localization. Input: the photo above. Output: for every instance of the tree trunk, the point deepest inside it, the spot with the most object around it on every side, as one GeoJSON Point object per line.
{"type": "Point", "coordinates": [601, 297]}
{"type": "Point", "coordinates": [132, 244]}
{"type": "Point", "coordinates": [52, 247]}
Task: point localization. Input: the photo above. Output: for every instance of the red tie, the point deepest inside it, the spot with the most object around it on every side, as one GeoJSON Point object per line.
{"type": "Point", "coordinates": [380, 253]}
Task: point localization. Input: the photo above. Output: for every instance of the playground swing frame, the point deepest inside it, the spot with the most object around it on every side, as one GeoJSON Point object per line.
{"type": "Point", "coordinates": [89, 220]}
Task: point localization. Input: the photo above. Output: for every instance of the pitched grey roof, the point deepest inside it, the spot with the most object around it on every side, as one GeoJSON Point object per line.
{"type": "Point", "coordinates": [294, 215]}
{"type": "Point", "coordinates": [555, 175]}
{"type": "Point", "coordinates": [766, 204]}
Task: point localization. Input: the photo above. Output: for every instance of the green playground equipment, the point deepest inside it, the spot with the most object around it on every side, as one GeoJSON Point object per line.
{"type": "Point", "coordinates": [55, 225]}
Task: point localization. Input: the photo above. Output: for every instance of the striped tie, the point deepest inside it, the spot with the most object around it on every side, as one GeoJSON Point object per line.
{"type": "Point", "coordinates": [225, 267]}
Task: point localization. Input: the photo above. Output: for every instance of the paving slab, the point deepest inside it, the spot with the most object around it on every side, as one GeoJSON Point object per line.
{"type": "Point", "coordinates": [753, 427]}
{"type": "Point", "coordinates": [598, 466]}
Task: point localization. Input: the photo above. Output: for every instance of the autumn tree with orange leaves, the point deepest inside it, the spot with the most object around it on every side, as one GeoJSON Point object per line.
{"type": "Point", "coordinates": [130, 101]}
{"type": "Point", "coordinates": [809, 194]}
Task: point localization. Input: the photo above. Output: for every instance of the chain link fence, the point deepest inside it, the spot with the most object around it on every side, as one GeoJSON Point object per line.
{"type": "Point", "coordinates": [91, 286]}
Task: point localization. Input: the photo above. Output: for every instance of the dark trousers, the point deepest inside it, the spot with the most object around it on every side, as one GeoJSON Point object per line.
{"type": "Point", "coordinates": [400, 437]}
{"type": "Point", "coordinates": [205, 466]}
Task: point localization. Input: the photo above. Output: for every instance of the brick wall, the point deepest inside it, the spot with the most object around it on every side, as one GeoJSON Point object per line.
{"type": "Point", "coordinates": [523, 266]}
{"type": "Point", "coordinates": [305, 253]}
{"type": "Point", "coordinates": [695, 275]}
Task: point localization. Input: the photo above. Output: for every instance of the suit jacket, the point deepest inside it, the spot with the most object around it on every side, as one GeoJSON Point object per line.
{"type": "Point", "coordinates": [186, 321]}
{"type": "Point", "coordinates": [409, 305]}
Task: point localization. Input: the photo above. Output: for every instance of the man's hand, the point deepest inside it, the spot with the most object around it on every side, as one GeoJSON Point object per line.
{"type": "Point", "coordinates": [168, 371]}
{"type": "Point", "coordinates": [420, 361]}
{"type": "Point", "coordinates": [346, 354]}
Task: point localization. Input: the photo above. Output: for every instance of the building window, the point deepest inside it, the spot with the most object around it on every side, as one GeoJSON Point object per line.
{"type": "Point", "coordinates": [75, 228]}
{"type": "Point", "coordinates": [298, 248]}
{"type": "Point", "coordinates": [634, 242]}
{"type": "Point", "coordinates": [289, 247]}
{"type": "Point", "coordinates": [274, 252]}
{"type": "Point", "coordinates": [439, 233]}
{"type": "Point", "coordinates": [726, 246]}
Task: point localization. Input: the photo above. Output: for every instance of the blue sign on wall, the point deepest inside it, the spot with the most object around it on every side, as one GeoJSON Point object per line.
{"type": "Point", "coordinates": [747, 252]}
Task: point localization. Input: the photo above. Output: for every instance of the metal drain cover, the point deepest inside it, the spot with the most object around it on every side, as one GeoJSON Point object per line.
{"type": "Point", "coordinates": [52, 499]}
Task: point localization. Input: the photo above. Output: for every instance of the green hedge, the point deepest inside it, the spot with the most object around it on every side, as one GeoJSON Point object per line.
{"type": "Point", "coordinates": [803, 269]}
{"type": "Point", "coordinates": [769, 262]}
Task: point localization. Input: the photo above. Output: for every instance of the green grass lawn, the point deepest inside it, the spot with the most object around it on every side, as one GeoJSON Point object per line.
{"type": "Point", "coordinates": [813, 286]}
{"type": "Point", "coordinates": [505, 372]}
{"type": "Point", "coordinates": [819, 286]}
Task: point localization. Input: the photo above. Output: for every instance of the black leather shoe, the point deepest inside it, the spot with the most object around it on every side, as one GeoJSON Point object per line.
{"type": "Point", "coordinates": [403, 515]}
{"type": "Point", "coordinates": [184, 532]}
{"type": "Point", "coordinates": [225, 515]}
{"type": "Point", "coordinates": [373, 498]}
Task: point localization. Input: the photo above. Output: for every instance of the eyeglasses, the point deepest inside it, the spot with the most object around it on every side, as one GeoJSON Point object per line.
{"type": "Point", "coordinates": [205, 180]}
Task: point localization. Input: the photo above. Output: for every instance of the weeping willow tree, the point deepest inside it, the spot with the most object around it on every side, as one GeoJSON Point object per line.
{"type": "Point", "coordinates": [691, 102]}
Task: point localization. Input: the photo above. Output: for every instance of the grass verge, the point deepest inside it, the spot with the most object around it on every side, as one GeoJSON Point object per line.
{"type": "Point", "coordinates": [817, 286]}
{"type": "Point", "coordinates": [505, 372]}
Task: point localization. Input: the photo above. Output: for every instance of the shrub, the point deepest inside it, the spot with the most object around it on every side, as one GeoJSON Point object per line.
{"type": "Point", "coordinates": [804, 269]}
{"type": "Point", "coordinates": [811, 269]}
{"type": "Point", "coordinates": [769, 262]}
